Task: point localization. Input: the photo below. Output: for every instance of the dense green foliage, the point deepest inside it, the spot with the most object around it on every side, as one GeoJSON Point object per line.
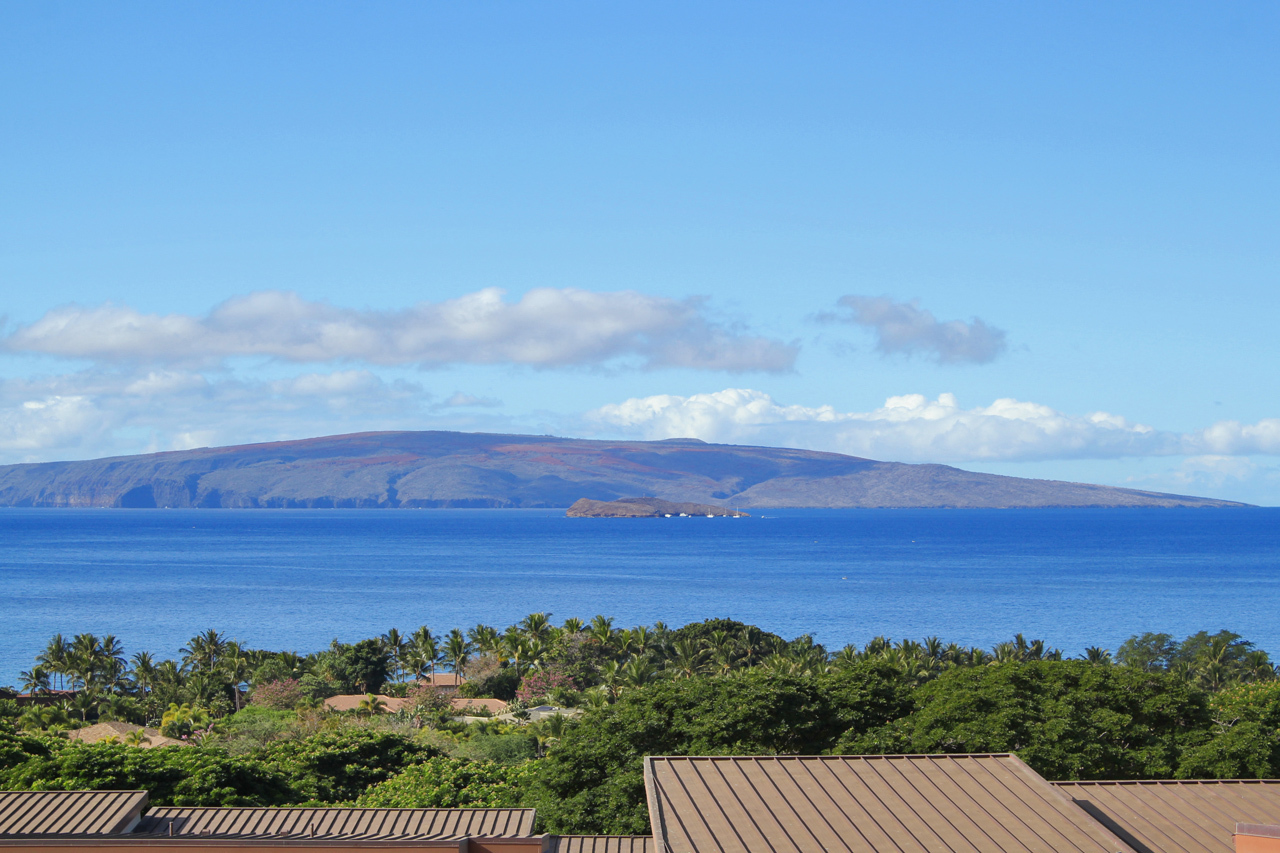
{"type": "Point", "coordinates": [1205, 706]}
{"type": "Point", "coordinates": [592, 782]}
{"type": "Point", "coordinates": [442, 783]}
{"type": "Point", "coordinates": [1067, 719]}
{"type": "Point", "coordinates": [174, 776]}
{"type": "Point", "coordinates": [339, 766]}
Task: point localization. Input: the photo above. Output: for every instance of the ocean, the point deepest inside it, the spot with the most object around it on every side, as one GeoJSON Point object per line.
{"type": "Point", "coordinates": [286, 579]}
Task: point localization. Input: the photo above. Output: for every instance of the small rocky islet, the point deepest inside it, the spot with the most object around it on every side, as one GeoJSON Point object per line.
{"type": "Point", "coordinates": [647, 508]}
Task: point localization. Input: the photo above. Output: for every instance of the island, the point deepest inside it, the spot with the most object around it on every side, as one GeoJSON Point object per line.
{"type": "Point", "coordinates": [433, 469]}
{"type": "Point", "coordinates": [647, 508]}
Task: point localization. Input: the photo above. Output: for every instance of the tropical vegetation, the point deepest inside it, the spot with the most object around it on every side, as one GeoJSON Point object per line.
{"type": "Point", "coordinates": [588, 700]}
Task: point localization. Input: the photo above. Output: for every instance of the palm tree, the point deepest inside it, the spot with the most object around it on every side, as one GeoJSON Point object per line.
{"type": "Point", "coordinates": [536, 626]}
{"type": "Point", "coordinates": [573, 625]}
{"type": "Point", "coordinates": [516, 648]}
{"type": "Point", "coordinates": [549, 730]}
{"type": "Point", "coordinates": [637, 641]}
{"type": "Point", "coordinates": [977, 657]}
{"type": "Point", "coordinates": [687, 660]}
{"type": "Point", "coordinates": [637, 672]}
{"type": "Point", "coordinates": [137, 737]}
{"type": "Point", "coordinates": [113, 662]}
{"type": "Point", "coordinates": [35, 680]}
{"type": "Point", "coordinates": [396, 647]}
{"type": "Point", "coordinates": [237, 666]}
{"type": "Point", "coordinates": [611, 679]}
{"type": "Point", "coordinates": [117, 707]}
{"type": "Point", "coordinates": [54, 657]}
{"type": "Point", "coordinates": [1097, 655]}
{"type": "Point", "coordinates": [424, 653]}
{"type": "Point", "coordinates": [534, 652]}
{"type": "Point", "coordinates": [484, 638]}
{"type": "Point", "coordinates": [1257, 666]}
{"type": "Point", "coordinates": [601, 630]}
{"type": "Point", "coordinates": [182, 720]}
{"type": "Point", "coordinates": [847, 657]}
{"type": "Point", "coordinates": [143, 671]}
{"type": "Point", "coordinates": [203, 651]}
{"type": "Point", "coordinates": [457, 650]}
{"type": "Point", "coordinates": [85, 703]}
{"type": "Point", "coordinates": [84, 661]}
{"type": "Point", "coordinates": [371, 705]}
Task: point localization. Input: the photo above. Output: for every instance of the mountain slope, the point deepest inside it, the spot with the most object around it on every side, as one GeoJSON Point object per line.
{"type": "Point", "coordinates": [451, 469]}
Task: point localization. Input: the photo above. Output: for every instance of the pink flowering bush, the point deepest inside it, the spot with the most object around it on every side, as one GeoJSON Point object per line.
{"type": "Point", "coordinates": [282, 695]}
{"type": "Point", "coordinates": [536, 686]}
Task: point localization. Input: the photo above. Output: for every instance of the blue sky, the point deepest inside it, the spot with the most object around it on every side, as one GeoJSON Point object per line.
{"type": "Point", "coordinates": [1034, 239]}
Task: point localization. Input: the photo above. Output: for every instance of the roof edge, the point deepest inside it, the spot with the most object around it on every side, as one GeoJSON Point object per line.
{"type": "Point", "coordinates": [657, 821]}
{"type": "Point", "coordinates": [1071, 805]}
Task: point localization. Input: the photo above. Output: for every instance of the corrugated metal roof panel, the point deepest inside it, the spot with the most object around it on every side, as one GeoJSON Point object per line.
{"type": "Point", "coordinates": [339, 823]}
{"type": "Point", "coordinates": [865, 804]}
{"type": "Point", "coordinates": [27, 813]}
{"type": "Point", "coordinates": [1178, 817]}
{"type": "Point", "coordinates": [602, 844]}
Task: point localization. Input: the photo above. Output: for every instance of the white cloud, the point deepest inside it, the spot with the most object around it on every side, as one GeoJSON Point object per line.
{"type": "Point", "coordinates": [545, 328]}
{"type": "Point", "coordinates": [31, 425]}
{"type": "Point", "coordinates": [915, 429]}
{"type": "Point", "coordinates": [1234, 438]}
{"type": "Point", "coordinates": [103, 413]}
{"type": "Point", "coordinates": [461, 400]}
{"type": "Point", "coordinates": [905, 327]}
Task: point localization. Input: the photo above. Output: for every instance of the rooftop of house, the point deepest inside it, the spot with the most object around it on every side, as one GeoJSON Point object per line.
{"type": "Point", "coordinates": [865, 804]}
{"type": "Point", "coordinates": [1182, 816]}
{"type": "Point", "coordinates": [83, 813]}
{"type": "Point", "coordinates": [337, 824]}
{"type": "Point", "coordinates": [99, 732]}
{"type": "Point", "coordinates": [352, 701]}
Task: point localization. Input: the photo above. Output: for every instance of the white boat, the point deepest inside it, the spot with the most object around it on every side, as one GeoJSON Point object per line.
{"type": "Point", "coordinates": [710, 515]}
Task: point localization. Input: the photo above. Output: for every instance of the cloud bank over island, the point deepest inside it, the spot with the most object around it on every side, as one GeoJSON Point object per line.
{"type": "Point", "coordinates": [545, 328]}
{"type": "Point", "coordinates": [912, 428]}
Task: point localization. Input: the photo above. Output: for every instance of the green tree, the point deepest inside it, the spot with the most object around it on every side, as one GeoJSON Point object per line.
{"type": "Point", "coordinates": [1149, 652]}
{"type": "Point", "coordinates": [339, 766]}
{"type": "Point", "coordinates": [1067, 719]}
{"type": "Point", "coordinates": [450, 783]}
{"type": "Point", "coordinates": [1246, 739]}
{"type": "Point", "coordinates": [181, 777]}
{"type": "Point", "coordinates": [458, 650]}
{"type": "Point", "coordinates": [592, 781]}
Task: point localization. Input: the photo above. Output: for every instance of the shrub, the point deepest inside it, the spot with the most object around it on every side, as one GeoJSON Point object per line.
{"type": "Point", "coordinates": [284, 694]}
{"type": "Point", "coordinates": [487, 678]}
{"type": "Point", "coordinates": [426, 701]}
{"type": "Point", "coordinates": [451, 783]}
{"type": "Point", "coordinates": [536, 686]}
{"type": "Point", "coordinates": [339, 766]}
{"type": "Point", "coordinates": [180, 776]}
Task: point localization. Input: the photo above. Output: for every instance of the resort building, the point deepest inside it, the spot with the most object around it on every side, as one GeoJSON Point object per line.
{"type": "Point", "coordinates": [731, 804]}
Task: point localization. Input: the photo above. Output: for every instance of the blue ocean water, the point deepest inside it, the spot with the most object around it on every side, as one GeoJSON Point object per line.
{"type": "Point", "coordinates": [283, 579]}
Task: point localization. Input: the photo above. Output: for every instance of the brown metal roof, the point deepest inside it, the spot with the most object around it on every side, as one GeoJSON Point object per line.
{"type": "Point", "coordinates": [339, 823]}
{"type": "Point", "coordinates": [30, 813]}
{"type": "Point", "coordinates": [1178, 817]}
{"type": "Point", "coordinates": [602, 844]}
{"type": "Point", "coordinates": [864, 804]}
